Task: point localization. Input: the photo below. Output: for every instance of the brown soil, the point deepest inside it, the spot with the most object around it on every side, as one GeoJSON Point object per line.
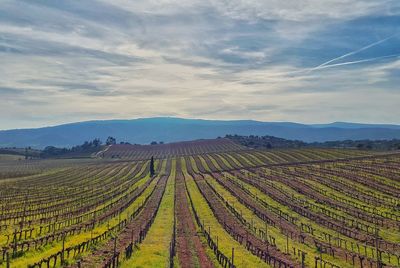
{"type": "Point", "coordinates": [190, 250]}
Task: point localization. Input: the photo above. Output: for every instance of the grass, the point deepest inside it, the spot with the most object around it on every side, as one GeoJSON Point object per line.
{"type": "Point", "coordinates": [243, 258]}
{"type": "Point", "coordinates": [11, 157]}
{"type": "Point", "coordinates": [234, 160]}
{"type": "Point", "coordinates": [194, 166]}
{"type": "Point", "coordinates": [223, 161]}
{"type": "Point", "coordinates": [215, 163]}
{"type": "Point", "coordinates": [255, 159]}
{"type": "Point", "coordinates": [318, 228]}
{"type": "Point", "coordinates": [154, 251]}
{"type": "Point", "coordinates": [32, 257]}
{"type": "Point", "coordinates": [204, 163]}
{"type": "Point", "coordinates": [280, 238]}
{"type": "Point", "coordinates": [203, 240]}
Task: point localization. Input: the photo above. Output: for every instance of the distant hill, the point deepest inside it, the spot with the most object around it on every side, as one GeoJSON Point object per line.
{"type": "Point", "coordinates": [146, 130]}
{"type": "Point", "coordinates": [270, 142]}
{"type": "Point", "coordinates": [355, 125]}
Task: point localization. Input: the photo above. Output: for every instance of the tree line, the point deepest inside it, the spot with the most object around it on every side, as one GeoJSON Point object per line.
{"type": "Point", "coordinates": [87, 147]}
{"type": "Point", "coordinates": [270, 142]}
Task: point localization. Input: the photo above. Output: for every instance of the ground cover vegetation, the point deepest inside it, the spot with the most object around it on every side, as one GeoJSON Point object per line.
{"type": "Point", "coordinates": [202, 204]}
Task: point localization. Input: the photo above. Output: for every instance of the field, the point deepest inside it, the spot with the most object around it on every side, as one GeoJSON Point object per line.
{"type": "Point", "coordinates": [11, 157]}
{"type": "Point", "coordinates": [144, 152]}
{"type": "Point", "coordinates": [209, 204]}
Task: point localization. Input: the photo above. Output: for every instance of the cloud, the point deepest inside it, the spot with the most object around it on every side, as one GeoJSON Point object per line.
{"type": "Point", "coordinates": [327, 63]}
{"type": "Point", "coordinates": [77, 60]}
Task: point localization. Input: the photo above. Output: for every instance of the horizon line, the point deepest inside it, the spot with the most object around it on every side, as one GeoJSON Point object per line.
{"type": "Point", "coordinates": [199, 119]}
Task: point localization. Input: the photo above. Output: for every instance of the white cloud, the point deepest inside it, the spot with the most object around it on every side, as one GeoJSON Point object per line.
{"type": "Point", "coordinates": [292, 10]}
{"type": "Point", "coordinates": [212, 59]}
{"type": "Point", "coordinates": [305, 10]}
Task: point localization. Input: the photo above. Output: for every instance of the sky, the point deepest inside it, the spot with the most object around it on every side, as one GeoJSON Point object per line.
{"type": "Point", "coordinates": [307, 61]}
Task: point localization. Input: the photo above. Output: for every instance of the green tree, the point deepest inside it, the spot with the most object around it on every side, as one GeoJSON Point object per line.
{"type": "Point", "coordinates": [111, 141]}
{"type": "Point", "coordinates": [152, 171]}
{"type": "Point", "coordinates": [96, 142]}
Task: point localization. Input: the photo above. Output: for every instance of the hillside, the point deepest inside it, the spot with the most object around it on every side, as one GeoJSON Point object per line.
{"type": "Point", "coordinates": [144, 152]}
{"type": "Point", "coordinates": [270, 142]}
{"type": "Point", "coordinates": [146, 130]}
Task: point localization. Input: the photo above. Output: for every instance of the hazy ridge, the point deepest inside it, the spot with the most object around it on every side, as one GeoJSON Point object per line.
{"type": "Point", "coordinates": [166, 129]}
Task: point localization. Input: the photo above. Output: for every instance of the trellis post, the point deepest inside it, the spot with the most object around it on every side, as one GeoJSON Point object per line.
{"type": "Point", "coordinates": [233, 256]}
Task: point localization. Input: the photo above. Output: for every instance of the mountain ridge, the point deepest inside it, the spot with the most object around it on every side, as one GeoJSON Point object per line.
{"type": "Point", "coordinates": [172, 129]}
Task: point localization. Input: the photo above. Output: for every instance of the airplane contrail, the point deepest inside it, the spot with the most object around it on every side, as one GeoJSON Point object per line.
{"type": "Point", "coordinates": [353, 52]}
{"type": "Point", "coordinates": [355, 62]}
{"type": "Point", "coordinates": [327, 64]}
{"type": "Point", "coordinates": [307, 71]}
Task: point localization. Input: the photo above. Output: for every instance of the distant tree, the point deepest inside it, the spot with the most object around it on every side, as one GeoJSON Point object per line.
{"type": "Point", "coordinates": [96, 142]}
{"type": "Point", "coordinates": [152, 171]}
{"type": "Point", "coordinates": [53, 151]}
{"type": "Point", "coordinates": [161, 142]}
{"type": "Point", "coordinates": [111, 141]}
{"type": "Point", "coordinates": [85, 145]}
{"type": "Point", "coordinates": [153, 143]}
{"type": "Point", "coordinates": [269, 146]}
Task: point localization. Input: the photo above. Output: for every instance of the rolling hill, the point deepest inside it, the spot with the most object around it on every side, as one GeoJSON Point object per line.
{"type": "Point", "coordinates": [166, 129]}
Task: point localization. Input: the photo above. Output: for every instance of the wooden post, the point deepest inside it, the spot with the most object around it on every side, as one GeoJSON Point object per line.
{"type": "Point", "coordinates": [8, 260]}
{"type": "Point", "coordinates": [287, 243]}
{"type": "Point", "coordinates": [115, 246]}
{"type": "Point", "coordinates": [233, 256]}
{"type": "Point", "coordinates": [378, 263]}
{"type": "Point", "coordinates": [303, 259]}
{"type": "Point", "coordinates": [15, 243]}
{"type": "Point", "coordinates": [63, 249]}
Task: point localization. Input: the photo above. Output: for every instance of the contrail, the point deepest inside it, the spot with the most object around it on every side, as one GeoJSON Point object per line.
{"type": "Point", "coordinates": [354, 62]}
{"type": "Point", "coordinates": [353, 52]}
{"type": "Point", "coordinates": [327, 64]}
{"type": "Point", "coordinates": [307, 71]}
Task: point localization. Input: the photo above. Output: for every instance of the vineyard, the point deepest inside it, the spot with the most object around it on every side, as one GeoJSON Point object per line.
{"type": "Point", "coordinates": [209, 204]}
{"type": "Point", "coordinates": [140, 152]}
